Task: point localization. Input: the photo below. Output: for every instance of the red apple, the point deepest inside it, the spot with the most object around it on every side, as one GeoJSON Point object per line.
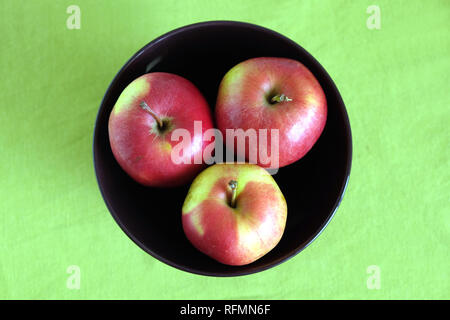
{"type": "Point", "coordinates": [234, 213]}
{"type": "Point", "coordinates": [272, 93]}
{"type": "Point", "coordinates": [142, 120]}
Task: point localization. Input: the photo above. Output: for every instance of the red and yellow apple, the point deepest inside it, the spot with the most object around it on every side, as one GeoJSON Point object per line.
{"type": "Point", "coordinates": [272, 93]}
{"type": "Point", "coordinates": [140, 125]}
{"type": "Point", "coordinates": [234, 213]}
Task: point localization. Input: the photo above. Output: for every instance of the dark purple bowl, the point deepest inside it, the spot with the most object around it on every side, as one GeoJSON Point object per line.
{"type": "Point", "coordinates": [203, 53]}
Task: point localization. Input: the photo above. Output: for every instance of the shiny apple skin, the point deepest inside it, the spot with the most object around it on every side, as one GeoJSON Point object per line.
{"type": "Point", "coordinates": [239, 235]}
{"type": "Point", "coordinates": [242, 102]}
{"type": "Point", "coordinates": [140, 149]}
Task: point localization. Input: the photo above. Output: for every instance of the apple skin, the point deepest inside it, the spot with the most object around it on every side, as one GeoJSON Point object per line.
{"type": "Point", "coordinates": [239, 235]}
{"type": "Point", "coordinates": [243, 102]}
{"type": "Point", "coordinates": [141, 149]}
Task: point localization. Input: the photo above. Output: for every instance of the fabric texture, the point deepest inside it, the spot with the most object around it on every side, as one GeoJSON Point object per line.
{"type": "Point", "coordinates": [390, 237]}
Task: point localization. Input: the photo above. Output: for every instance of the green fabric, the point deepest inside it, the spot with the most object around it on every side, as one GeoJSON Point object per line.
{"type": "Point", "coordinates": [395, 214]}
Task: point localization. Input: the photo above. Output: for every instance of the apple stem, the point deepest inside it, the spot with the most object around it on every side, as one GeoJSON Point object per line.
{"type": "Point", "coordinates": [233, 185]}
{"type": "Point", "coordinates": [280, 98]}
{"type": "Point", "coordinates": [145, 106]}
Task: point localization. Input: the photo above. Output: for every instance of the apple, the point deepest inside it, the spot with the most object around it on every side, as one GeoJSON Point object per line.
{"type": "Point", "coordinates": [234, 212]}
{"type": "Point", "coordinates": [272, 93]}
{"type": "Point", "coordinates": [148, 110]}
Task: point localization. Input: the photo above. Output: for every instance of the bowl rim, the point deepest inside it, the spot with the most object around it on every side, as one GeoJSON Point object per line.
{"type": "Point", "coordinates": [299, 248]}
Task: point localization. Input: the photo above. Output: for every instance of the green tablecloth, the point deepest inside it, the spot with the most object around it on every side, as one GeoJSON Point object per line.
{"type": "Point", "coordinates": [395, 214]}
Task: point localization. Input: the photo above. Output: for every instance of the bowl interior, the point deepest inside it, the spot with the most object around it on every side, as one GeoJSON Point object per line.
{"type": "Point", "coordinates": [203, 53]}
